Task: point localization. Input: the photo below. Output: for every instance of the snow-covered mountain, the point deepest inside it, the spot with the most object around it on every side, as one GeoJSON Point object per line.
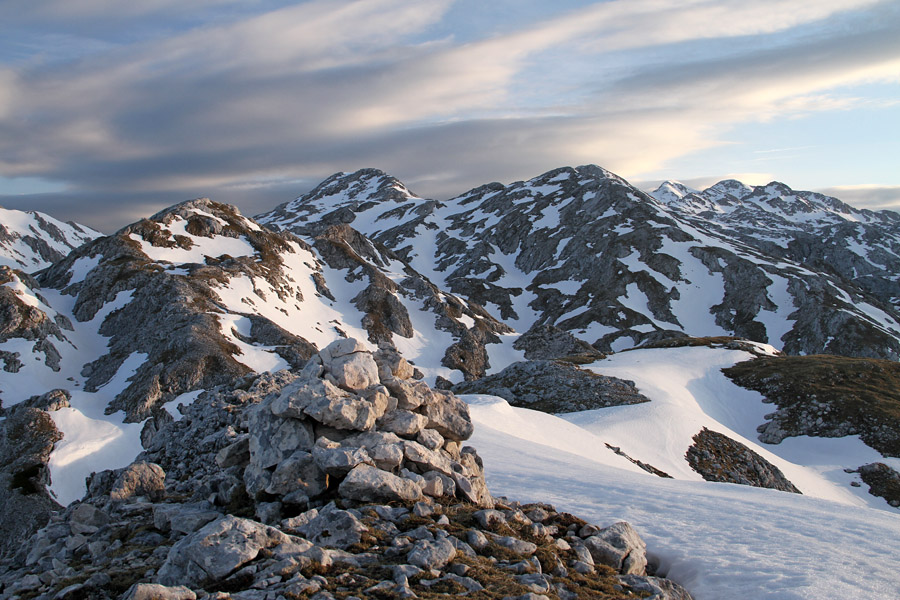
{"type": "Point", "coordinates": [584, 251]}
{"type": "Point", "coordinates": [819, 232]}
{"type": "Point", "coordinates": [212, 347]}
{"type": "Point", "coordinates": [31, 240]}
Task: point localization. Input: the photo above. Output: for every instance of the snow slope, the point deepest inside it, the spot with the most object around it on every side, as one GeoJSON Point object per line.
{"type": "Point", "coordinates": [689, 392]}
{"type": "Point", "coordinates": [718, 540]}
{"type": "Point", "coordinates": [31, 240]}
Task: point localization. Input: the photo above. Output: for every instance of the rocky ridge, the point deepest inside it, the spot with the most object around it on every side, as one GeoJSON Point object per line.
{"type": "Point", "coordinates": [345, 479]}
{"type": "Point", "coordinates": [198, 296]}
{"type": "Point", "coordinates": [817, 231]}
{"type": "Point", "coordinates": [31, 241]}
{"type": "Point", "coordinates": [582, 250]}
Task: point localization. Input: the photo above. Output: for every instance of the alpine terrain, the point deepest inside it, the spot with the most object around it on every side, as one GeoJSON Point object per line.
{"type": "Point", "coordinates": [558, 388]}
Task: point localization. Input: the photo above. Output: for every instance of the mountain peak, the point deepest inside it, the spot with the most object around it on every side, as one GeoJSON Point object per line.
{"type": "Point", "coordinates": [369, 184]}
{"type": "Point", "coordinates": [728, 187]}
{"type": "Point", "coordinates": [669, 191]}
{"type": "Point", "coordinates": [31, 240]}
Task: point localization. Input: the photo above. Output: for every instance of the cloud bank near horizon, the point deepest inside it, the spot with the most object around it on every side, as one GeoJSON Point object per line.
{"type": "Point", "coordinates": [122, 107]}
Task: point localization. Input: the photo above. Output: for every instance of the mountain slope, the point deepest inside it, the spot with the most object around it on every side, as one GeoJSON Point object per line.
{"type": "Point", "coordinates": [718, 540]}
{"type": "Point", "coordinates": [817, 231]}
{"type": "Point", "coordinates": [199, 296]}
{"type": "Point", "coordinates": [31, 240]}
{"type": "Point", "coordinates": [582, 250]}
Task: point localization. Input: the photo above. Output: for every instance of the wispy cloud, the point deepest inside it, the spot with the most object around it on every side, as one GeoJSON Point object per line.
{"type": "Point", "coordinates": [297, 91]}
{"type": "Point", "coordinates": [871, 196]}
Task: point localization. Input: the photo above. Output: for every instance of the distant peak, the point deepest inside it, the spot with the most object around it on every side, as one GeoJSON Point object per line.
{"type": "Point", "coordinates": [731, 187]}
{"type": "Point", "coordinates": [675, 188]}
{"type": "Point", "coordinates": [369, 183]}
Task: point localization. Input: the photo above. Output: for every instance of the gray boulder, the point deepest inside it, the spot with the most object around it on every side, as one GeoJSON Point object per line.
{"type": "Point", "coordinates": [336, 459]}
{"type": "Point", "coordinates": [272, 438]}
{"type": "Point", "coordinates": [449, 416]}
{"type": "Point", "coordinates": [432, 555]}
{"type": "Point", "coordinates": [402, 422]}
{"type": "Point", "coordinates": [155, 591]}
{"type": "Point", "coordinates": [298, 472]}
{"type": "Point", "coordinates": [355, 371]}
{"type": "Point", "coordinates": [332, 526]}
{"type": "Point", "coordinates": [216, 551]}
{"type": "Point", "coordinates": [620, 547]}
{"type": "Point", "coordinates": [139, 479]}
{"type": "Point", "coordinates": [369, 484]}
{"type": "Point", "coordinates": [659, 588]}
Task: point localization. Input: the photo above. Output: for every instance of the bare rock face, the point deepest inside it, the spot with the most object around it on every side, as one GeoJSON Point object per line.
{"type": "Point", "coordinates": [172, 311]}
{"type": "Point", "coordinates": [27, 436]}
{"type": "Point", "coordinates": [554, 387]}
{"type": "Point", "coordinates": [370, 484]}
{"type": "Point", "coordinates": [21, 319]}
{"type": "Point", "coordinates": [385, 315]}
{"type": "Point", "coordinates": [719, 458]}
{"type": "Point", "coordinates": [620, 547]}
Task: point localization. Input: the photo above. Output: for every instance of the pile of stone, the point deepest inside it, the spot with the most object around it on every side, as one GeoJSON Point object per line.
{"type": "Point", "coordinates": [346, 480]}
{"type": "Point", "coordinates": [356, 425]}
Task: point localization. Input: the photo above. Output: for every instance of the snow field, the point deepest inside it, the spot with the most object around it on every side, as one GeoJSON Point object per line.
{"type": "Point", "coordinates": [718, 540]}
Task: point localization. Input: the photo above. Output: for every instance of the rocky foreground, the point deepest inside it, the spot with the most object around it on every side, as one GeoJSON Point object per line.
{"type": "Point", "coordinates": [345, 479]}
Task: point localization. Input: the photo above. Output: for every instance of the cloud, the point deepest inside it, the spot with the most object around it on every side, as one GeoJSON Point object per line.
{"type": "Point", "coordinates": [294, 93]}
{"type": "Point", "coordinates": [873, 197]}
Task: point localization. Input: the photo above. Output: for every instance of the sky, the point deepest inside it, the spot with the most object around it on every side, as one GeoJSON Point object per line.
{"type": "Point", "coordinates": [110, 110]}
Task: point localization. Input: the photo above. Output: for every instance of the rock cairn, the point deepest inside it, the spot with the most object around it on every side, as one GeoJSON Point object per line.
{"type": "Point", "coordinates": [357, 425]}
{"type": "Point", "coordinates": [345, 480]}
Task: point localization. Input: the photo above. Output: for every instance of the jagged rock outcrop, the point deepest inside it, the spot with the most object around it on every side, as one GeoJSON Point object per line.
{"type": "Point", "coordinates": [883, 481]}
{"type": "Point", "coordinates": [389, 278]}
{"type": "Point", "coordinates": [24, 315]}
{"type": "Point", "coordinates": [554, 387]}
{"type": "Point", "coordinates": [27, 435]}
{"type": "Point", "coordinates": [717, 457]}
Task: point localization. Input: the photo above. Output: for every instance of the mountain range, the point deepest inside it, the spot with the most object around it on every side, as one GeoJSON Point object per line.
{"type": "Point", "coordinates": [573, 293]}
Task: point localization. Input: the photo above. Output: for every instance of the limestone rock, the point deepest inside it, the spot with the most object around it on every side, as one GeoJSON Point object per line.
{"type": "Point", "coordinates": [620, 547]}
{"type": "Point", "coordinates": [155, 591]}
{"type": "Point", "coordinates": [402, 422]}
{"type": "Point", "coordinates": [331, 526]}
{"type": "Point", "coordinates": [338, 460]}
{"type": "Point", "coordinates": [660, 589]}
{"type": "Point", "coordinates": [299, 472]}
{"type": "Point", "coordinates": [370, 484]}
{"type": "Point", "coordinates": [355, 371]}
{"type": "Point", "coordinates": [449, 416]}
{"type": "Point", "coordinates": [431, 554]}
{"type": "Point", "coordinates": [272, 438]}
{"type": "Point", "coordinates": [139, 479]}
{"type": "Point", "coordinates": [215, 551]}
